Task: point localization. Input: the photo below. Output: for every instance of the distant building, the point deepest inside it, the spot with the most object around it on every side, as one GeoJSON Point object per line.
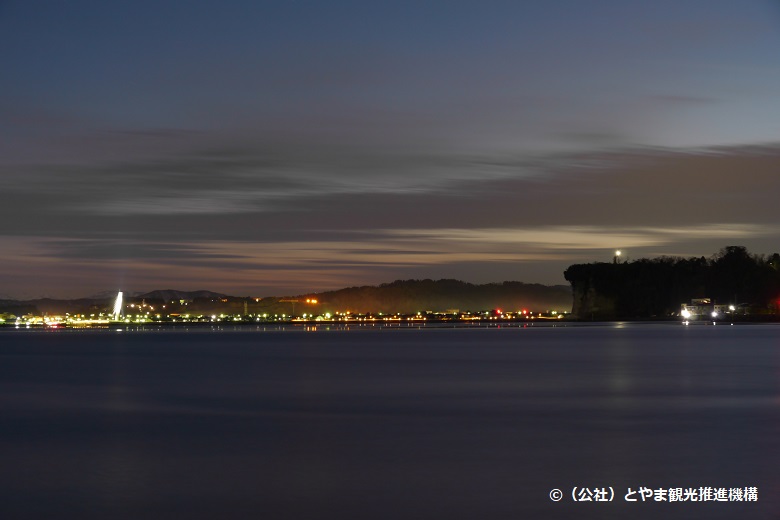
{"type": "Point", "coordinates": [704, 309]}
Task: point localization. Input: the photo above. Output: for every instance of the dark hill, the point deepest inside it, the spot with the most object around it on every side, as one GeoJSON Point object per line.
{"type": "Point", "coordinates": [404, 296]}
{"type": "Point", "coordinates": [408, 296]}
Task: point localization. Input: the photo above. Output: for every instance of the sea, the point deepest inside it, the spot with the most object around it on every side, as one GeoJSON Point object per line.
{"type": "Point", "coordinates": [550, 421]}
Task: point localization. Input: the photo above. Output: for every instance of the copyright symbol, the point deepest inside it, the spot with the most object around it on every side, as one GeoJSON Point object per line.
{"type": "Point", "coordinates": [556, 495]}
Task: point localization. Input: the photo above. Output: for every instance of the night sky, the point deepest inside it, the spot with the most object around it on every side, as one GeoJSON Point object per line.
{"type": "Point", "coordinates": [282, 147]}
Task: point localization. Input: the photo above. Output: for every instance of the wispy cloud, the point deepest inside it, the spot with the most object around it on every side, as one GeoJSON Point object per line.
{"type": "Point", "coordinates": [586, 237]}
{"type": "Point", "coordinates": [272, 222]}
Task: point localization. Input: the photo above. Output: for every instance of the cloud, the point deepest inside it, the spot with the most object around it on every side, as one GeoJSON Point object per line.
{"type": "Point", "coordinates": [554, 238]}
{"type": "Point", "coordinates": [250, 180]}
{"type": "Point", "coordinates": [249, 193]}
{"type": "Point", "coordinates": [269, 218]}
{"type": "Point", "coordinates": [384, 248]}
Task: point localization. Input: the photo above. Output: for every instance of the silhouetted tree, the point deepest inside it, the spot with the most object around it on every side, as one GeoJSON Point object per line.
{"type": "Point", "coordinates": [657, 287]}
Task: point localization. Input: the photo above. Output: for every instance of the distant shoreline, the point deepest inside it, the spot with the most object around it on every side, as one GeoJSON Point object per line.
{"type": "Point", "coordinates": [351, 324]}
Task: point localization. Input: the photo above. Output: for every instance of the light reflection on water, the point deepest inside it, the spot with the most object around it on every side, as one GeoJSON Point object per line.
{"type": "Point", "coordinates": [386, 423]}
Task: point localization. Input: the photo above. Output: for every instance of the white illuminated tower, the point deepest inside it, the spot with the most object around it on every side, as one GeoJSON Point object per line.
{"type": "Point", "coordinates": [118, 306]}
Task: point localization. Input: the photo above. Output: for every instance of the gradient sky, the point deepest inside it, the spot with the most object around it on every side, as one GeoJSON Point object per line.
{"type": "Point", "coordinates": [268, 148]}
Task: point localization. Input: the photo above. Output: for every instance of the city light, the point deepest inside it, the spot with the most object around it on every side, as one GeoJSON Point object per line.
{"type": "Point", "coordinates": [118, 306]}
{"type": "Point", "coordinates": [116, 313]}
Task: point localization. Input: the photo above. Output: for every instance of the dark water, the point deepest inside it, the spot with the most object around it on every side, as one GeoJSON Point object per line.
{"type": "Point", "coordinates": [387, 424]}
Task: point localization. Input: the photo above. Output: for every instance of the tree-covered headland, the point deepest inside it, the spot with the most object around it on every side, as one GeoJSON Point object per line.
{"type": "Point", "coordinates": [655, 288]}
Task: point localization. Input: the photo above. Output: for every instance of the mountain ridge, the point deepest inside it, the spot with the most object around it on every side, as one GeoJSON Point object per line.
{"type": "Point", "coordinates": [412, 295]}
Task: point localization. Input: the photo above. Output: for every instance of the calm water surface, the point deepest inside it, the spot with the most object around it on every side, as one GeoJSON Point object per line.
{"type": "Point", "coordinates": [387, 423]}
